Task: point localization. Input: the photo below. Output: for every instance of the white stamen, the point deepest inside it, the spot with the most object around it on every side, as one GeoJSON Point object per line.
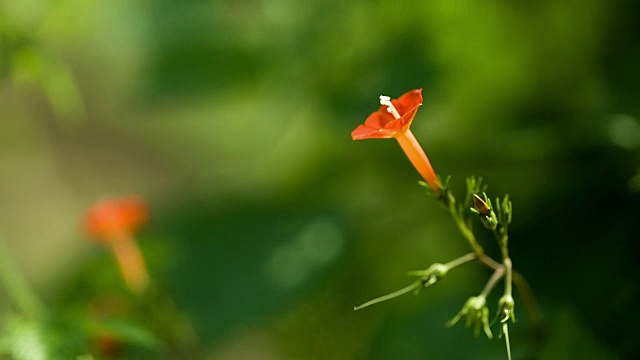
{"type": "Point", "coordinates": [386, 101]}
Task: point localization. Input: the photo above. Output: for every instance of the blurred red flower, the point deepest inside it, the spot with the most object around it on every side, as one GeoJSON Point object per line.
{"type": "Point", "coordinates": [107, 219]}
{"type": "Point", "coordinates": [114, 223]}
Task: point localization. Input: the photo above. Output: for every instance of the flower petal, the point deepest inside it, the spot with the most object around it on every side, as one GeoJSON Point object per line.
{"type": "Point", "coordinates": [121, 215]}
{"type": "Point", "coordinates": [367, 132]}
{"type": "Point", "coordinates": [408, 102]}
{"type": "Point", "coordinates": [381, 124]}
{"type": "Point", "coordinates": [375, 120]}
{"type": "Point", "coordinates": [407, 106]}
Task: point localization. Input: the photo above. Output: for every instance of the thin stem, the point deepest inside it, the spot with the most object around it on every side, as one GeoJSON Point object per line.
{"type": "Point", "coordinates": [503, 239]}
{"type": "Point", "coordinates": [468, 234]}
{"type": "Point", "coordinates": [394, 294]}
{"type": "Point", "coordinates": [493, 280]}
{"type": "Point", "coordinates": [508, 267]}
{"type": "Point", "coordinates": [17, 287]}
{"type": "Point", "coordinates": [471, 239]}
{"type": "Point", "coordinates": [505, 331]}
{"type": "Point", "coordinates": [449, 201]}
{"type": "Point", "coordinates": [461, 260]}
{"type": "Point", "coordinates": [504, 247]}
{"type": "Point", "coordinates": [487, 260]}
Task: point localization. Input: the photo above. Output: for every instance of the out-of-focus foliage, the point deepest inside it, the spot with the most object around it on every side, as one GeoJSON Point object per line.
{"type": "Point", "coordinates": [268, 223]}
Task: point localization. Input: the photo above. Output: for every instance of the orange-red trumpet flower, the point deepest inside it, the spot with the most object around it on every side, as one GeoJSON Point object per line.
{"type": "Point", "coordinates": [393, 120]}
{"type": "Point", "coordinates": [114, 224]}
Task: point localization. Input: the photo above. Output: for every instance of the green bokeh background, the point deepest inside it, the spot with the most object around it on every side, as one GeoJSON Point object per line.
{"type": "Point", "coordinates": [269, 223]}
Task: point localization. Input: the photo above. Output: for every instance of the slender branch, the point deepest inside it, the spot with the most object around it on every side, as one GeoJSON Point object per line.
{"type": "Point", "coordinates": [467, 233]}
{"type": "Point", "coordinates": [502, 236]}
{"type": "Point", "coordinates": [487, 260]}
{"type": "Point", "coordinates": [508, 275]}
{"type": "Point", "coordinates": [17, 287]}
{"type": "Point", "coordinates": [394, 294]}
{"type": "Point", "coordinates": [461, 260]}
{"type": "Point", "coordinates": [505, 331]}
{"type": "Point", "coordinates": [493, 280]}
{"type": "Point", "coordinates": [475, 245]}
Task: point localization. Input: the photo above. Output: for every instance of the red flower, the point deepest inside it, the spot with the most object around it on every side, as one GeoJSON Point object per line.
{"type": "Point", "coordinates": [393, 120]}
{"type": "Point", "coordinates": [107, 219]}
{"type": "Point", "coordinates": [384, 124]}
{"type": "Point", "coordinates": [114, 223]}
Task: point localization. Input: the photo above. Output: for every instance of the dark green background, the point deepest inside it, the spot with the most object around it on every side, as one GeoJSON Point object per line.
{"type": "Point", "coordinates": [233, 119]}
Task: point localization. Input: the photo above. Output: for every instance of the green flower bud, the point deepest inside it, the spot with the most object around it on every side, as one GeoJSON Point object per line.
{"type": "Point", "coordinates": [476, 314]}
{"type": "Point", "coordinates": [484, 210]}
{"type": "Point", "coordinates": [506, 309]}
{"type": "Point", "coordinates": [431, 275]}
{"type": "Point", "coordinates": [480, 205]}
{"type": "Point", "coordinates": [505, 210]}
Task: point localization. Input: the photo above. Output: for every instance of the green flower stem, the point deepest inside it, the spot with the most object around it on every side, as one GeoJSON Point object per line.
{"type": "Point", "coordinates": [502, 236]}
{"type": "Point", "coordinates": [427, 278]}
{"type": "Point", "coordinates": [460, 261]}
{"type": "Point", "coordinates": [493, 280]}
{"type": "Point", "coordinates": [449, 201]}
{"type": "Point", "coordinates": [508, 276]}
{"type": "Point", "coordinates": [505, 331]}
{"type": "Point", "coordinates": [487, 260]}
{"type": "Point", "coordinates": [471, 239]}
{"type": "Point", "coordinates": [506, 261]}
{"type": "Point", "coordinates": [394, 294]}
{"type": "Point", "coordinates": [17, 287]}
{"type": "Point", "coordinates": [466, 232]}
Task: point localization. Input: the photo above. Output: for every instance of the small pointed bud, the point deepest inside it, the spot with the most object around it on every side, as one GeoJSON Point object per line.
{"type": "Point", "coordinates": [483, 208]}
{"type": "Point", "coordinates": [480, 205]}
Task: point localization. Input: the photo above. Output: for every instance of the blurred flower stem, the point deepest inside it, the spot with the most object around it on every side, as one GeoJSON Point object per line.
{"type": "Point", "coordinates": [131, 262]}
{"type": "Point", "coordinates": [17, 287]}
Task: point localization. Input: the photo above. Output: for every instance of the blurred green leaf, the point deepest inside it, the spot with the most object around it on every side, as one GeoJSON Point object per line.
{"type": "Point", "coordinates": [25, 339]}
